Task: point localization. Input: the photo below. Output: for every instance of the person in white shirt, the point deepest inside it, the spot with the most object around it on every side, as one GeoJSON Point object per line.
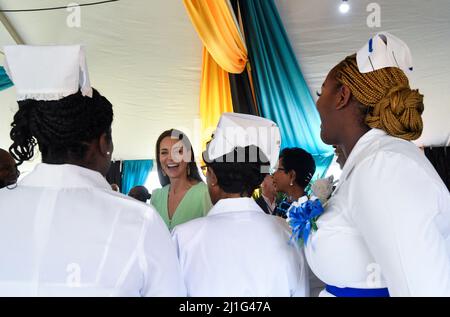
{"type": "Point", "coordinates": [385, 231]}
{"type": "Point", "coordinates": [238, 250]}
{"type": "Point", "coordinates": [63, 231]}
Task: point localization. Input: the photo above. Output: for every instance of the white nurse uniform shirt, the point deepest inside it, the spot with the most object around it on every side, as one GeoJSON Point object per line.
{"type": "Point", "coordinates": [387, 223]}
{"type": "Point", "coordinates": [238, 250]}
{"type": "Point", "coordinates": [64, 232]}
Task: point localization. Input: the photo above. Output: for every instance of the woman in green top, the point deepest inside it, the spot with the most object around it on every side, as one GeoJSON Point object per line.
{"type": "Point", "coordinates": [184, 195]}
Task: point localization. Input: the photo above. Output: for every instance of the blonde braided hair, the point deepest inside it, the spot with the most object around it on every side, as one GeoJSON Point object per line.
{"type": "Point", "coordinates": [389, 102]}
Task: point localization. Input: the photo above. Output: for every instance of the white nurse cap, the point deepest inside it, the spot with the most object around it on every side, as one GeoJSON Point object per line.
{"type": "Point", "coordinates": [241, 130]}
{"type": "Point", "coordinates": [384, 50]}
{"type": "Point", "coordinates": [47, 72]}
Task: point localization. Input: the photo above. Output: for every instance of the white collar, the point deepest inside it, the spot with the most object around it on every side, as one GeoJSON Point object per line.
{"type": "Point", "coordinates": [234, 205]}
{"type": "Point", "coordinates": [268, 201]}
{"type": "Point", "coordinates": [64, 176]}
{"type": "Point", "coordinates": [361, 150]}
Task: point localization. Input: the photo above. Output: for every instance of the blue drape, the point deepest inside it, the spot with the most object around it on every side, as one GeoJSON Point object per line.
{"type": "Point", "coordinates": [5, 82]}
{"type": "Point", "coordinates": [135, 173]}
{"type": "Point", "coordinates": [282, 93]}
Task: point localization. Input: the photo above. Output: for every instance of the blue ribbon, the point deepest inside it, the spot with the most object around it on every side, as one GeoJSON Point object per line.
{"type": "Point", "coordinates": [357, 292]}
{"type": "Point", "coordinates": [302, 218]}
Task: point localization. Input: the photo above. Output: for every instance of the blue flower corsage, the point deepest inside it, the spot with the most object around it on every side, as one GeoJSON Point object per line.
{"type": "Point", "coordinates": [302, 217]}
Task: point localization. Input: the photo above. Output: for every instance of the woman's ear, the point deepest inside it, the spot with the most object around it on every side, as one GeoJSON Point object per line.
{"type": "Point", "coordinates": [106, 146]}
{"type": "Point", "coordinates": [98, 156]}
{"type": "Point", "coordinates": [345, 95]}
{"type": "Point", "coordinates": [292, 177]}
{"type": "Point", "coordinates": [211, 177]}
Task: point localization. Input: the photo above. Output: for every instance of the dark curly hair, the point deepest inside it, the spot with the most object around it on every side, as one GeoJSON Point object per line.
{"type": "Point", "coordinates": [62, 128]}
{"type": "Point", "coordinates": [240, 171]}
{"type": "Point", "coordinates": [301, 162]}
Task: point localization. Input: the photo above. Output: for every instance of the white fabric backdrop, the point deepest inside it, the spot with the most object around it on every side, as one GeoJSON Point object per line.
{"type": "Point", "coordinates": [145, 56]}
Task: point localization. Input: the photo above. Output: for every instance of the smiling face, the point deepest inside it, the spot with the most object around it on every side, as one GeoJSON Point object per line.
{"type": "Point", "coordinates": [327, 105]}
{"type": "Point", "coordinates": [174, 157]}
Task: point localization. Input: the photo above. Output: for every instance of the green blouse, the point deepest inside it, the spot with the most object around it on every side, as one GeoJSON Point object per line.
{"type": "Point", "coordinates": [195, 203]}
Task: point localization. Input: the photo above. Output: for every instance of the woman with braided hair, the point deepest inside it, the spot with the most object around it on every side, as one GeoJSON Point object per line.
{"type": "Point", "coordinates": [64, 130]}
{"type": "Point", "coordinates": [385, 231]}
{"type": "Point", "coordinates": [63, 231]}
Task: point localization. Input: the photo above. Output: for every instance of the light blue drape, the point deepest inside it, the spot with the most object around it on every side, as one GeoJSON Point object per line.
{"type": "Point", "coordinates": [135, 173]}
{"type": "Point", "coordinates": [5, 82]}
{"type": "Point", "coordinates": [282, 93]}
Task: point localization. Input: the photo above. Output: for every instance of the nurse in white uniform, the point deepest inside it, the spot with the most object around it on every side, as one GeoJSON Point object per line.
{"type": "Point", "coordinates": [63, 231]}
{"type": "Point", "coordinates": [237, 249]}
{"type": "Point", "coordinates": [385, 230]}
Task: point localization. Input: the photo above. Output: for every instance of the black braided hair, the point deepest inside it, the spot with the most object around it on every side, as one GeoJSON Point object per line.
{"type": "Point", "coordinates": [62, 128]}
{"type": "Point", "coordinates": [240, 171]}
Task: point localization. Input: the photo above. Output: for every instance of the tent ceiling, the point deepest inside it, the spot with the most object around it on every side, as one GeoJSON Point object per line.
{"type": "Point", "coordinates": [146, 57]}
{"type": "Point", "coordinates": [322, 37]}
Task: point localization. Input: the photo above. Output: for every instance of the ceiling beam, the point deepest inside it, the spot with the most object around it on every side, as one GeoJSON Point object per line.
{"type": "Point", "coordinates": [11, 30]}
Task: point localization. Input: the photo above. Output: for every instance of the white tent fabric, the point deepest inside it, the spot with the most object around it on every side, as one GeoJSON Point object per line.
{"type": "Point", "coordinates": [145, 57]}
{"type": "Point", "coordinates": [322, 36]}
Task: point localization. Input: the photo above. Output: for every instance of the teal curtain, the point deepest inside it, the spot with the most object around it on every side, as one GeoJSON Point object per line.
{"type": "Point", "coordinates": [5, 82]}
{"type": "Point", "coordinates": [135, 173]}
{"type": "Point", "coordinates": [282, 93]}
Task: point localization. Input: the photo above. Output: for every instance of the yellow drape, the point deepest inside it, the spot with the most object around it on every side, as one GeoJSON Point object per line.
{"type": "Point", "coordinates": [224, 52]}
{"type": "Point", "coordinates": [215, 96]}
{"type": "Point", "coordinates": [217, 27]}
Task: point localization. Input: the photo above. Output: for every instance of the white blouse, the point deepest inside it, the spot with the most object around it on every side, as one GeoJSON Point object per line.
{"type": "Point", "coordinates": [238, 250]}
{"type": "Point", "coordinates": [387, 223]}
{"type": "Point", "coordinates": [64, 232]}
